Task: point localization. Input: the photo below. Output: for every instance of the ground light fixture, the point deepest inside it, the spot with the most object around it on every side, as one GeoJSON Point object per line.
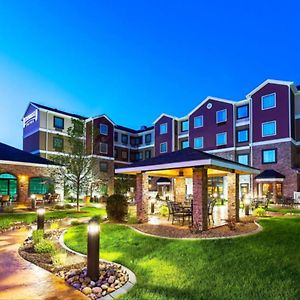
{"type": "Point", "coordinates": [247, 202]}
{"type": "Point", "coordinates": [93, 249]}
{"type": "Point", "coordinates": [40, 218]}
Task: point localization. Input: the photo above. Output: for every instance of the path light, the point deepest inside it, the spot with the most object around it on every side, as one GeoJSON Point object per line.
{"type": "Point", "coordinates": [33, 201]}
{"type": "Point", "coordinates": [40, 218]}
{"type": "Point", "coordinates": [93, 250]}
{"type": "Point", "coordinates": [215, 195]}
{"type": "Point", "coordinates": [247, 203]}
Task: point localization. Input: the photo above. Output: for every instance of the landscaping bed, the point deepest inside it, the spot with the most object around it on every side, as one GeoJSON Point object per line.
{"type": "Point", "coordinates": [174, 231]}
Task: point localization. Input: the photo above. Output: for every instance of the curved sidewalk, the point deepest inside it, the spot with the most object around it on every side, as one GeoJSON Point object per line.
{"type": "Point", "coordinates": [20, 279]}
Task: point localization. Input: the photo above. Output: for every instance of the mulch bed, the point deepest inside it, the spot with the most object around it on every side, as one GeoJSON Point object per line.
{"type": "Point", "coordinates": [175, 231]}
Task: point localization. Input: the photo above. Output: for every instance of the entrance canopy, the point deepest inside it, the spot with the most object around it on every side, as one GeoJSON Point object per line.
{"type": "Point", "coordinates": [181, 163]}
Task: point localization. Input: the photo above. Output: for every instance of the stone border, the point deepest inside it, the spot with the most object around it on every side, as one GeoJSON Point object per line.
{"type": "Point", "coordinates": [257, 230]}
{"type": "Point", "coordinates": [122, 290]}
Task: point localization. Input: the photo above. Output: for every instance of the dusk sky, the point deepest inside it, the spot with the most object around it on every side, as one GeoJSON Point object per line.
{"type": "Point", "coordinates": [133, 60]}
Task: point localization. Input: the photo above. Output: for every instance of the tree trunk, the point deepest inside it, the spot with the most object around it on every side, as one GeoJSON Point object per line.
{"type": "Point", "coordinates": [77, 197]}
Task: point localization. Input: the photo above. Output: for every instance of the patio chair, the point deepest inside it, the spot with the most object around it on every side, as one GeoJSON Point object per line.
{"type": "Point", "coordinates": [210, 208]}
{"type": "Point", "coordinates": [180, 213]}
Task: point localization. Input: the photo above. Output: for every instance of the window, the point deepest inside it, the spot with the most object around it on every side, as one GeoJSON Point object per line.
{"type": "Point", "coordinates": [242, 112]}
{"type": "Point", "coordinates": [148, 138]}
{"type": "Point", "coordinates": [269, 156]}
{"type": "Point", "coordinates": [116, 136]}
{"type": "Point", "coordinates": [243, 136]}
{"type": "Point", "coordinates": [58, 143]}
{"type": "Point", "coordinates": [124, 139]}
{"type": "Point", "coordinates": [184, 144]}
{"type": "Point", "coordinates": [103, 129]}
{"type": "Point", "coordinates": [139, 156]}
{"type": "Point", "coordinates": [58, 123]}
{"type": "Point", "coordinates": [243, 159]}
{"type": "Point", "coordinates": [268, 101]}
{"type": "Point", "coordinates": [221, 138]}
{"type": "Point", "coordinates": [184, 126]}
{"type": "Point", "coordinates": [103, 148]}
{"type": "Point", "coordinates": [124, 154]}
{"type": "Point", "coordinates": [198, 142]}
{"type": "Point", "coordinates": [163, 128]}
{"type": "Point", "coordinates": [198, 122]}
{"type": "Point", "coordinates": [38, 185]}
{"type": "Point", "coordinates": [103, 166]}
{"type": "Point", "coordinates": [221, 116]}
{"type": "Point", "coordinates": [163, 147]}
{"type": "Point", "coordinates": [268, 128]}
{"type": "Point", "coordinates": [147, 154]}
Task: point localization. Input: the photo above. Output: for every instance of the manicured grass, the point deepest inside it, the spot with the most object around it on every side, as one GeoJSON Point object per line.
{"type": "Point", "coordinates": [284, 210]}
{"type": "Point", "coordinates": [6, 220]}
{"type": "Point", "coordinates": [262, 266]}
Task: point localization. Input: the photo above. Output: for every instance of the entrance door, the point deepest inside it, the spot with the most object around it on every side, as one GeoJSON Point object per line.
{"type": "Point", "coordinates": [244, 189]}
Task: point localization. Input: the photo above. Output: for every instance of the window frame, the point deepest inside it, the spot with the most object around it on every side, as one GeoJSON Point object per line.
{"type": "Point", "coordinates": [124, 135]}
{"type": "Point", "coordinates": [218, 111]}
{"type": "Point", "coordinates": [163, 143]}
{"type": "Point", "coordinates": [58, 138]}
{"type": "Point", "coordinates": [217, 134]}
{"type": "Point", "coordinates": [237, 135]}
{"type": "Point", "coordinates": [243, 154]}
{"type": "Point", "coordinates": [196, 138]}
{"type": "Point", "coordinates": [262, 128]}
{"type": "Point", "coordinates": [237, 109]}
{"type": "Point", "coordinates": [163, 124]}
{"type": "Point", "coordinates": [268, 95]}
{"type": "Point", "coordinates": [197, 117]}
{"type": "Point", "coordinates": [181, 126]}
{"type": "Point", "coordinates": [100, 148]}
{"type": "Point", "coordinates": [63, 122]}
{"type": "Point", "coordinates": [150, 154]}
{"type": "Point", "coordinates": [183, 141]}
{"type": "Point", "coordinates": [262, 156]}
{"type": "Point", "coordinates": [103, 163]}
{"type": "Point", "coordinates": [103, 125]}
{"type": "Point", "coordinates": [147, 135]}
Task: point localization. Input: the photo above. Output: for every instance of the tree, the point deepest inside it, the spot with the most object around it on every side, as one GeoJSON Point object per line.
{"type": "Point", "coordinates": [76, 165]}
{"type": "Point", "coordinates": [123, 183]}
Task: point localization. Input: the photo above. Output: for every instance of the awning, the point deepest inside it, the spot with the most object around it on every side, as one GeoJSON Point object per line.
{"type": "Point", "coordinates": [163, 181]}
{"type": "Point", "coordinates": [270, 175]}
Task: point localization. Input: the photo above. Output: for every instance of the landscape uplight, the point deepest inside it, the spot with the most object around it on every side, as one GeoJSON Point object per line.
{"type": "Point", "coordinates": [247, 203]}
{"type": "Point", "coordinates": [40, 218]}
{"type": "Point", "coordinates": [93, 249]}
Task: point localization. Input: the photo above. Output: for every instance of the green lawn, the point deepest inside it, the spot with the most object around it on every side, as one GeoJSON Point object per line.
{"type": "Point", "coordinates": [262, 266]}
{"type": "Point", "coordinates": [284, 210]}
{"type": "Point", "coordinates": [6, 220]}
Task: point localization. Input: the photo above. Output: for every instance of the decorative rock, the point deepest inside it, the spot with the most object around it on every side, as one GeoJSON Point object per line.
{"type": "Point", "coordinates": [111, 279]}
{"type": "Point", "coordinates": [87, 279]}
{"type": "Point", "coordinates": [97, 290]}
{"type": "Point", "coordinates": [104, 287]}
{"type": "Point", "coordinates": [87, 290]}
{"type": "Point", "coordinates": [92, 283]}
{"type": "Point", "coordinates": [110, 290]}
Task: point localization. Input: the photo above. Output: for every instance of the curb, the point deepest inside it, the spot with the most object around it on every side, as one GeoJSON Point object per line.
{"type": "Point", "coordinates": [122, 290]}
{"type": "Point", "coordinates": [257, 230]}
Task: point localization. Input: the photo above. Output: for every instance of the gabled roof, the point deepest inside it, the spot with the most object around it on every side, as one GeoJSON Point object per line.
{"type": "Point", "coordinates": [133, 130]}
{"type": "Point", "coordinates": [11, 154]}
{"type": "Point", "coordinates": [185, 158]}
{"type": "Point", "coordinates": [273, 81]}
{"type": "Point", "coordinates": [101, 116]}
{"type": "Point", "coordinates": [164, 115]}
{"type": "Point", "coordinates": [270, 174]}
{"type": "Point", "coordinates": [212, 99]}
{"type": "Point", "coordinates": [37, 105]}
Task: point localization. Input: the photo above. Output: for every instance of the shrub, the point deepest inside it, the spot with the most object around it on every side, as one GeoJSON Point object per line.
{"type": "Point", "coordinates": [75, 223]}
{"type": "Point", "coordinates": [44, 246]}
{"type": "Point", "coordinates": [69, 206]}
{"type": "Point", "coordinates": [37, 236]}
{"type": "Point", "coordinates": [59, 206]}
{"type": "Point", "coordinates": [59, 259]}
{"type": "Point", "coordinates": [117, 207]}
{"type": "Point", "coordinates": [132, 219]}
{"type": "Point", "coordinates": [54, 226]}
{"type": "Point", "coordinates": [164, 211]}
{"type": "Point", "coordinates": [8, 209]}
{"type": "Point", "coordinates": [259, 212]}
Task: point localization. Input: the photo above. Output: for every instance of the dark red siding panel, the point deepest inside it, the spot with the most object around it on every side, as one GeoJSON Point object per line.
{"type": "Point", "coordinates": [210, 127]}
{"type": "Point", "coordinates": [162, 138]}
{"type": "Point", "coordinates": [280, 113]}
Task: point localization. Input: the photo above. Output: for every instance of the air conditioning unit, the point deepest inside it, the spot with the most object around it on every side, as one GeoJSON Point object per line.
{"type": "Point", "coordinates": [297, 197]}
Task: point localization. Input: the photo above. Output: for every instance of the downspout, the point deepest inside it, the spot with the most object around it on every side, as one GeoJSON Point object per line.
{"type": "Point", "coordinates": [47, 135]}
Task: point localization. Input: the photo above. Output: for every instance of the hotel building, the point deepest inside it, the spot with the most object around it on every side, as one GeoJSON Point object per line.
{"type": "Point", "coordinates": [262, 131]}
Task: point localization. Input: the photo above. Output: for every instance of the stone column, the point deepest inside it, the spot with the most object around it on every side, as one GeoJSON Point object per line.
{"type": "Point", "coordinates": [179, 189]}
{"type": "Point", "coordinates": [200, 213]}
{"type": "Point", "coordinates": [141, 196]}
{"type": "Point", "coordinates": [233, 197]}
{"type": "Point", "coordinates": [23, 188]}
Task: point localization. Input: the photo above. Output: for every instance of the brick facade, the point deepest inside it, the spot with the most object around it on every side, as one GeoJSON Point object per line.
{"type": "Point", "coordinates": [141, 196]}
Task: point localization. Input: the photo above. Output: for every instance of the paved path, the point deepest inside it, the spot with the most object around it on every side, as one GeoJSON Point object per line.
{"type": "Point", "coordinates": [20, 279]}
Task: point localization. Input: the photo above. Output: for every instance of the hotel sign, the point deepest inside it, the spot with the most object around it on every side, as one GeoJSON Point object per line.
{"type": "Point", "coordinates": [31, 118]}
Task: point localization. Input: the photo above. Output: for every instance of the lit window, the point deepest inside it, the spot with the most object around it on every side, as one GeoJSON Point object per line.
{"type": "Point", "coordinates": [58, 123]}
{"type": "Point", "coordinates": [221, 138]}
{"type": "Point", "coordinates": [103, 129]}
{"type": "Point", "coordinates": [198, 142]}
{"type": "Point", "coordinates": [163, 128]}
{"type": "Point", "coordinates": [242, 112]}
{"type": "Point", "coordinates": [184, 125]}
{"type": "Point", "coordinates": [184, 144]}
{"type": "Point", "coordinates": [242, 136]}
{"type": "Point", "coordinates": [269, 156]}
{"type": "Point", "coordinates": [221, 116]}
{"type": "Point", "coordinates": [103, 166]}
{"type": "Point", "coordinates": [268, 101]}
{"type": "Point", "coordinates": [268, 128]}
{"type": "Point", "coordinates": [103, 148]}
{"type": "Point", "coordinates": [243, 159]}
{"type": "Point", "coordinates": [198, 122]}
{"type": "Point", "coordinates": [163, 147]}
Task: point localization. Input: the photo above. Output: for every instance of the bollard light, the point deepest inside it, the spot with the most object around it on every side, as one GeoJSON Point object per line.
{"type": "Point", "coordinates": [93, 250]}
{"type": "Point", "coordinates": [33, 203]}
{"type": "Point", "coordinates": [40, 218]}
{"type": "Point", "coordinates": [247, 203]}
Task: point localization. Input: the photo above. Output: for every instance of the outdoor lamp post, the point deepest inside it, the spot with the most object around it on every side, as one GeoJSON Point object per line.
{"type": "Point", "coordinates": [40, 218]}
{"type": "Point", "coordinates": [33, 203]}
{"type": "Point", "coordinates": [247, 204]}
{"type": "Point", "coordinates": [93, 250]}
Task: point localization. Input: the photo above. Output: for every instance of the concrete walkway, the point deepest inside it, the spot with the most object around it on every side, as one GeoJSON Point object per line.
{"type": "Point", "coordinates": [20, 279]}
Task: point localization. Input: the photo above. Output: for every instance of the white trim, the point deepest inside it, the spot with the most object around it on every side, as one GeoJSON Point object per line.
{"type": "Point", "coordinates": [220, 150]}
{"type": "Point", "coordinates": [101, 157]}
{"type": "Point", "coordinates": [268, 95]}
{"type": "Point", "coordinates": [122, 162]}
{"type": "Point", "coordinates": [209, 98]}
{"type": "Point", "coordinates": [62, 115]}
{"type": "Point", "coordinates": [164, 115]}
{"type": "Point", "coordinates": [19, 163]}
{"type": "Point", "coordinates": [200, 116]}
{"type": "Point", "coordinates": [242, 148]}
{"type": "Point", "coordinates": [106, 148]}
{"type": "Point", "coordinates": [182, 136]}
{"type": "Point", "coordinates": [269, 179]}
{"type": "Point", "coordinates": [242, 122]}
{"type": "Point", "coordinates": [288, 83]}
{"type": "Point", "coordinates": [275, 141]}
{"type": "Point", "coordinates": [218, 111]}
{"type": "Point", "coordinates": [217, 134]}
{"type": "Point", "coordinates": [268, 122]}
{"type": "Point", "coordinates": [101, 116]}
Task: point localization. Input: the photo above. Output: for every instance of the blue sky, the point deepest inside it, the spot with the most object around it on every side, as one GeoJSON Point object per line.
{"type": "Point", "coordinates": [136, 59]}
